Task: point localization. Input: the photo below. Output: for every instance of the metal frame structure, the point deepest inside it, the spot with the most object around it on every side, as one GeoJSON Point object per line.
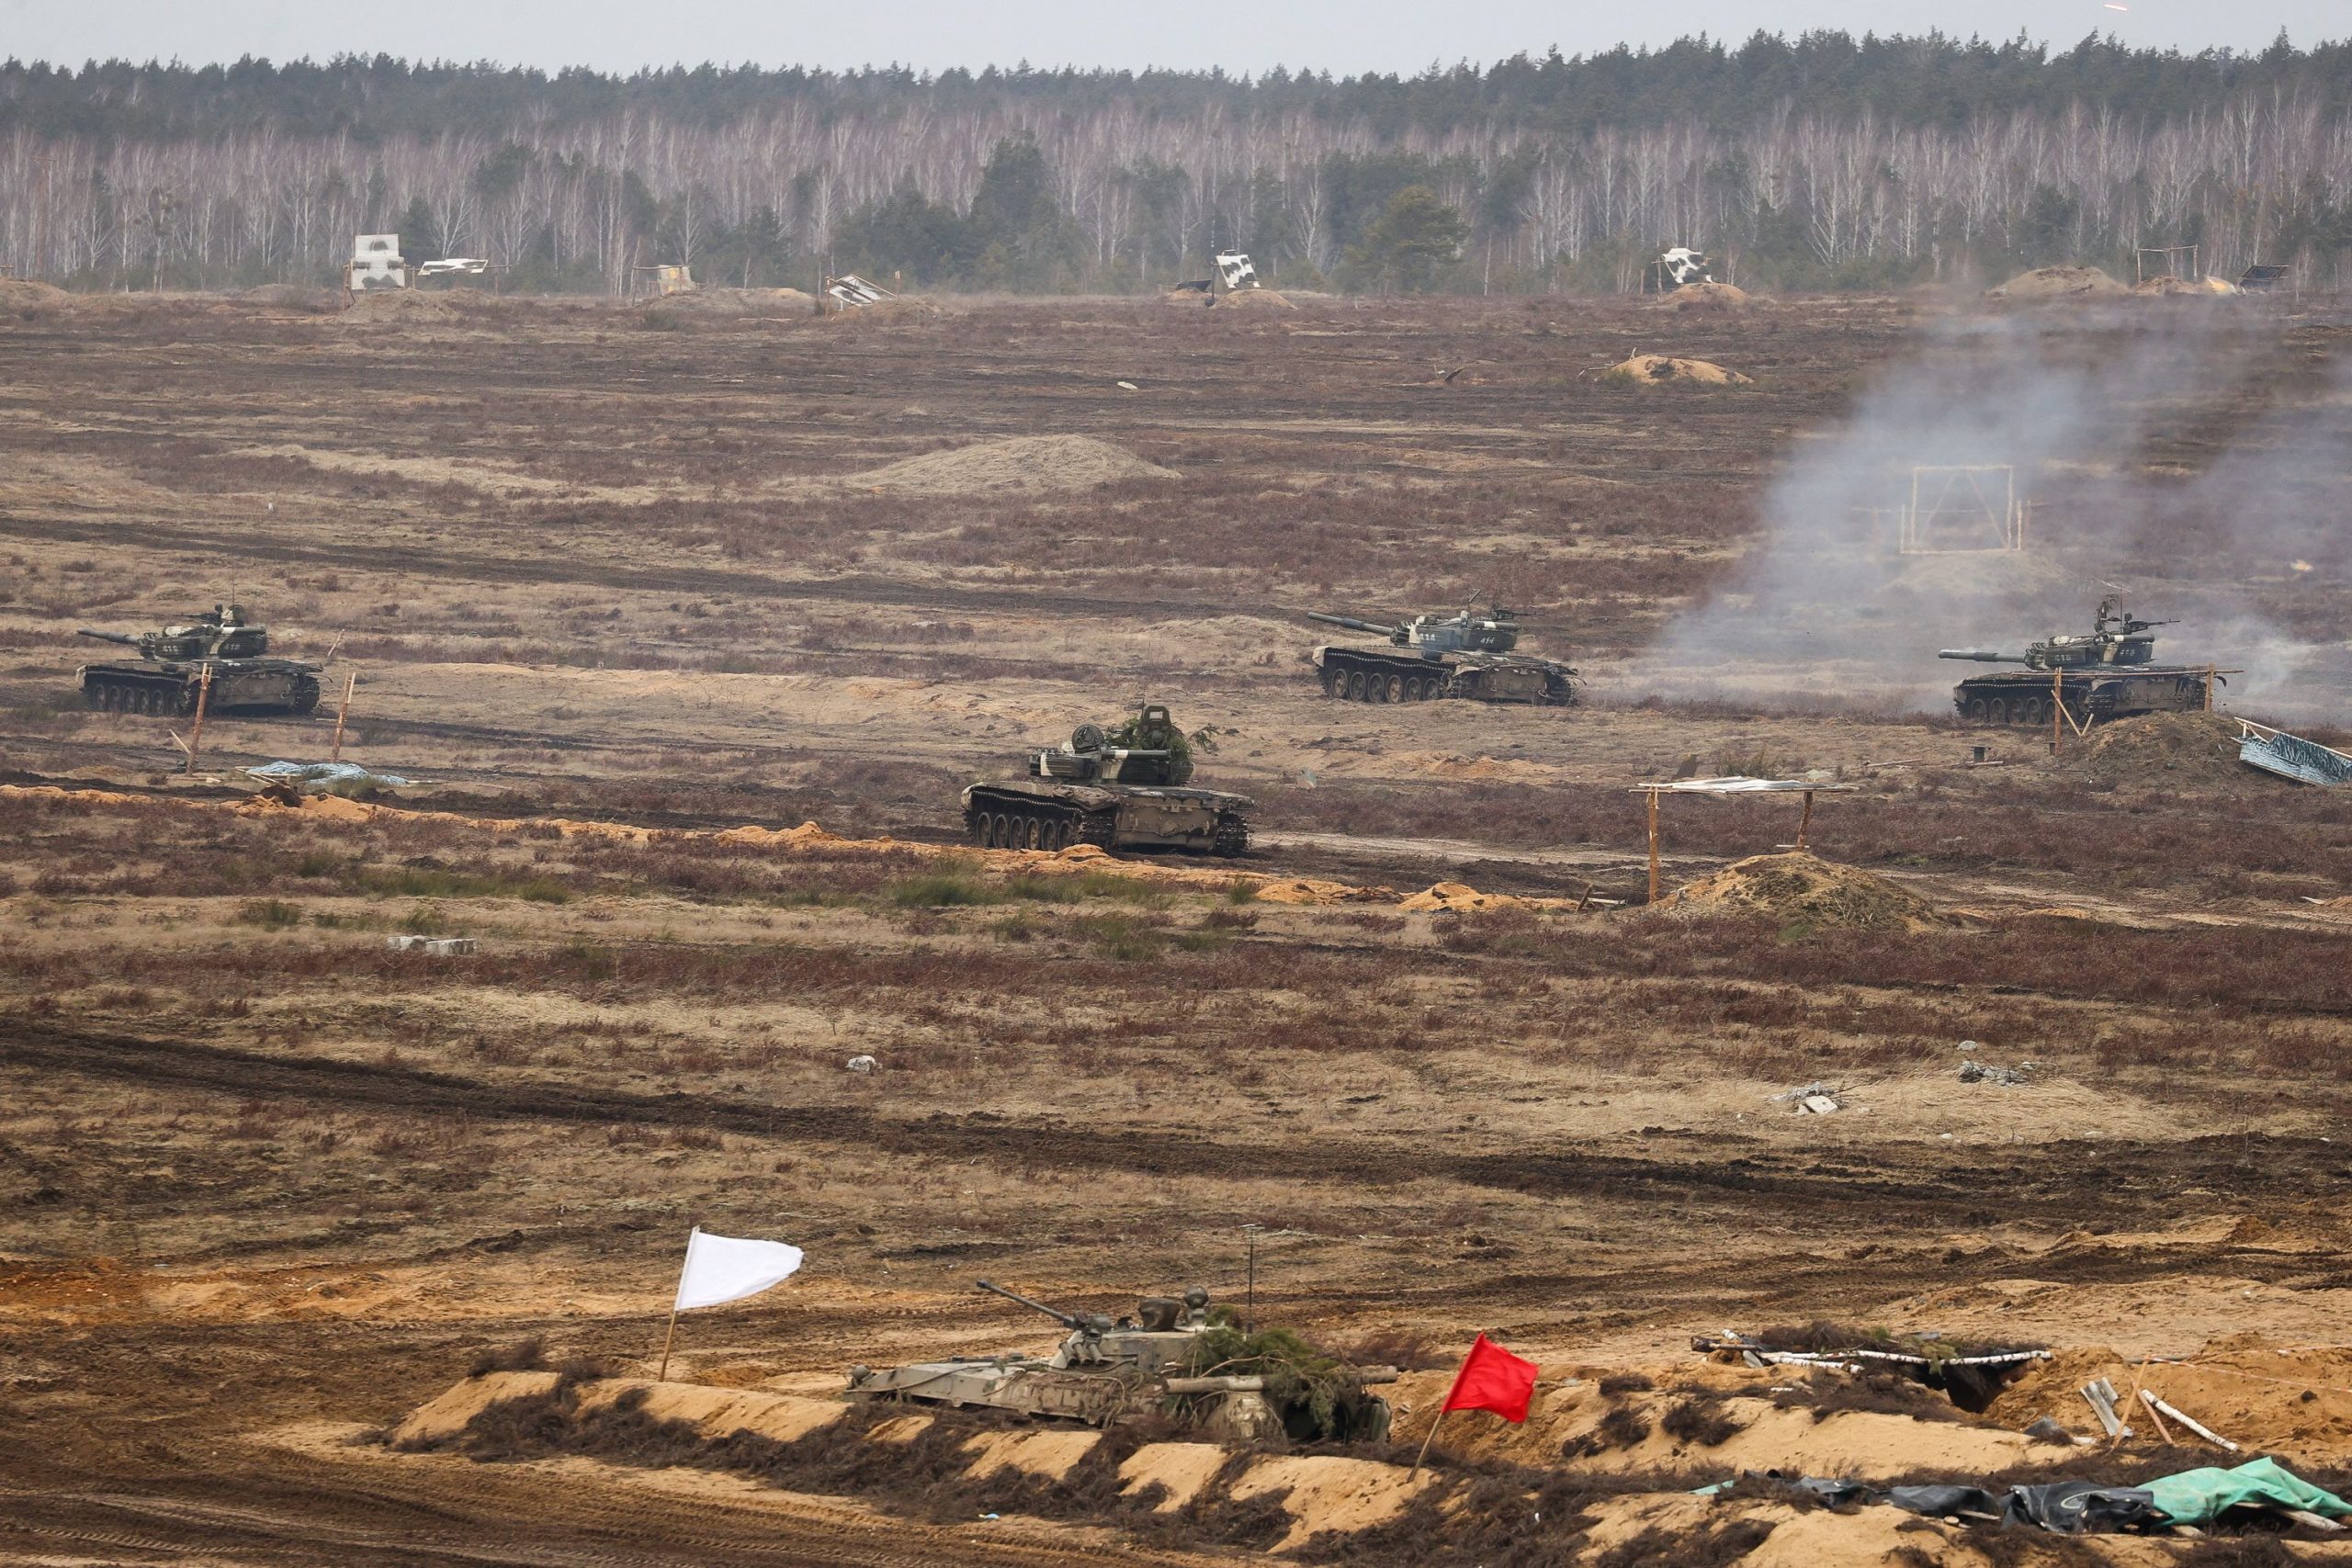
{"type": "Point", "coordinates": [2171, 267]}
{"type": "Point", "coordinates": [1933, 512]}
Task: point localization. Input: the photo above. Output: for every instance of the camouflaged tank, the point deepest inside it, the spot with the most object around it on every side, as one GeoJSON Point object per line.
{"type": "Point", "coordinates": [1105, 1370]}
{"type": "Point", "coordinates": [1469, 656]}
{"type": "Point", "coordinates": [1122, 790]}
{"type": "Point", "coordinates": [174, 665]}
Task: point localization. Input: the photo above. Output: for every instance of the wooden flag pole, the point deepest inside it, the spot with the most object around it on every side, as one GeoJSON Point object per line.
{"type": "Point", "coordinates": [2057, 708]}
{"type": "Point", "coordinates": [1804, 823]}
{"type": "Point", "coordinates": [349, 681]}
{"type": "Point", "coordinates": [195, 735]}
{"type": "Point", "coordinates": [1441, 1414]}
{"type": "Point", "coordinates": [1652, 859]}
{"type": "Point", "coordinates": [663, 1375]}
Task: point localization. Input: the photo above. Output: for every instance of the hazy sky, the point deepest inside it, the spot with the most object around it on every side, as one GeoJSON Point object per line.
{"type": "Point", "coordinates": [1341, 36]}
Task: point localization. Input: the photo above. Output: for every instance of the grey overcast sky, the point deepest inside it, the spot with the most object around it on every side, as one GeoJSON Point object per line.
{"type": "Point", "coordinates": [1345, 37]}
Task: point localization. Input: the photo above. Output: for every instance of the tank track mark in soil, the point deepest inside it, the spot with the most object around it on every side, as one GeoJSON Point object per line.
{"type": "Point", "coordinates": [433, 1514]}
{"type": "Point", "coordinates": [2141, 1179]}
{"type": "Point", "coordinates": [430, 563]}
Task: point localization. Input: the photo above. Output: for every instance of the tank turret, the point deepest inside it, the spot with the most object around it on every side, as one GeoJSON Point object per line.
{"type": "Point", "coordinates": [2116, 638]}
{"type": "Point", "coordinates": [2106, 672]}
{"type": "Point", "coordinates": [1467, 654]}
{"type": "Point", "coordinates": [1121, 788]}
{"type": "Point", "coordinates": [219, 652]}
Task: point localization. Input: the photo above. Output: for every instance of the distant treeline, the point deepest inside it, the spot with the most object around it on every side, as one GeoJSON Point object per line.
{"type": "Point", "coordinates": [1821, 162]}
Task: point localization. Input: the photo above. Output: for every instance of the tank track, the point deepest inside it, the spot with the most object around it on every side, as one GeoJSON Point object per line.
{"type": "Point", "coordinates": [1356, 678]}
{"type": "Point", "coordinates": [1015, 822]}
{"type": "Point", "coordinates": [163, 696]}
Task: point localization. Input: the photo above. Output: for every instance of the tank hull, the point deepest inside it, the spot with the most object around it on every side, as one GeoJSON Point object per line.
{"type": "Point", "coordinates": [1377, 675]}
{"type": "Point", "coordinates": [1096, 1397]}
{"type": "Point", "coordinates": [244, 685]}
{"type": "Point", "coordinates": [1051, 814]}
{"type": "Point", "coordinates": [2022, 697]}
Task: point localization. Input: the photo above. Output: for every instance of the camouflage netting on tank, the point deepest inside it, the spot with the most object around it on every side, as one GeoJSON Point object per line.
{"type": "Point", "coordinates": [1318, 1397]}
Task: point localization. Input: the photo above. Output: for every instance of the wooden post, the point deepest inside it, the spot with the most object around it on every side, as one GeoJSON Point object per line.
{"type": "Point", "coordinates": [349, 681]}
{"type": "Point", "coordinates": [203, 697]}
{"type": "Point", "coordinates": [2057, 707]}
{"type": "Point", "coordinates": [1653, 794]}
{"type": "Point", "coordinates": [1806, 821]}
{"type": "Point", "coordinates": [663, 1376]}
{"type": "Point", "coordinates": [1441, 1409]}
{"type": "Point", "coordinates": [2212, 674]}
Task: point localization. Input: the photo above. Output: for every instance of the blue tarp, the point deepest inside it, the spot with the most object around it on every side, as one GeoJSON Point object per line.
{"type": "Point", "coordinates": [2292, 756]}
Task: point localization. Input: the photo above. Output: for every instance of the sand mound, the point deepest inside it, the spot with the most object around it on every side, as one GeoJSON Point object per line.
{"type": "Point", "coordinates": [23, 294]}
{"type": "Point", "coordinates": [2289, 1402]}
{"type": "Point", "coordinates": [1253, 300]}
{"type": "Point", "coordinates": [292, 297]}
{"type": "Point", "coordinates": [2058, 283]}
{"type": "Point", "coordinates": [1797, 885]}
{"type": "Point", "coordinates": [446, 1416]}
{"type": "Point", "coordinates": [1195, 297]}
{"type": "Point", "coordinates": [1327, 1492]}
{"type": "Point", "coordinates": [1708, 297]}
{"type": "Point", "coordinates": [2196, 749]}
{"type": "Point", "coordinates": [1461, 896]}
{"type": "Point", "coordinates": [1658, 368]}
{"type": "Point", "coordinates": [1027, 462]}
{"type": "Point", "coordinates": [721, 303]}
{"type": "Point", "coordinates": [904, 307]}
{"type": "Point", "coordinates": [370, 306]}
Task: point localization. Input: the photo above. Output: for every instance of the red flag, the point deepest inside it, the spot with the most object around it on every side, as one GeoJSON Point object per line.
{"type": "Point", "coordinates": [1492, 1378]}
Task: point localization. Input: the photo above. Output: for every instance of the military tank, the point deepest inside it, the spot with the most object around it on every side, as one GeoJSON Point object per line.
{"type": "Point", "coordinates": [1122, 790]}
{"type": "Point", "coordinates": [1466, 655]}
{"type": "Point", "coordinates": [2108, 673]}
{"type": "Point", "coordinates": [173, 664]}
{"type": "Point", "coordinates": [1104, 1370]}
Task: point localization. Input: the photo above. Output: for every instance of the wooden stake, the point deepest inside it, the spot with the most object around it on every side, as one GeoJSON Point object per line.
{"type": "Point", "coordinates": [1441, 1409]}
{"type": "Point", "coordinates": [343, 712]}
{"type": "Point", "coordinates": [195, 735]}
{"type": "Point", "coordinates": [2211, 673]}
{"type": "Point", "coordinates": [1806, 821]}
{"type": "Point", "coordinates": [1653, 794]}
{"type": "Point", "coordinates": [2057, 708]}
{"type": "Point", "coordinates": [663, 1376]}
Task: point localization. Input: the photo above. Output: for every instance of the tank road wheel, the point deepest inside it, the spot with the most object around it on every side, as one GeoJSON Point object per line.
{"type": "Point", "coordinates": [1335, 683]}
{"type": "Point", "coordinates": [1354, 679]}
{"type": "Point", "coordinates": [1396, 688]}
{"type": "Point", "coordinates": [1032, 833]}
{"type": "Point", "coordinates": [1974, 713]}
{"type": "Point", "coordinates": [2037, 712]}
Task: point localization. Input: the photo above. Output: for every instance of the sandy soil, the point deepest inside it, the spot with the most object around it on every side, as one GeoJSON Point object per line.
{"type": "Point", "coordinates": [632, 604]}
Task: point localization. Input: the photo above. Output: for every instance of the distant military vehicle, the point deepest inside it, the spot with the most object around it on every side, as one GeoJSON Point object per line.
{"type": "Point", "coordinates": [1105, 1370]}
{"type": "Point", "coordinates": [2106, 672]}
{"type": "Point", "coordinates": [1121, 790]}
{"type": "Point", "coordinates": [1466, 655]}
{"type": "Point", "coordinates": [174, 664]}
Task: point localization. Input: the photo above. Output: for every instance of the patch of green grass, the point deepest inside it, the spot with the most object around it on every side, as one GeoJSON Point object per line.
{"type": "Point", "coordinates": [1122, 937]}
{"type": "Point", "coordinates": [941, 890]}
{"type": "Point", "coordinates": [1086, 884]}
{"type": "Point", "coordinates": [269, 914]}
{"type": "Point", "coordinates": [435, 882]}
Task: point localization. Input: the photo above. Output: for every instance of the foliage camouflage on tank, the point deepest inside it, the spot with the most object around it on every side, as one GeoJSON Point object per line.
{"type": "Point", "coordinates": [1121, 789]}
{"type": "Point", "coordinates": [1174, 1357]}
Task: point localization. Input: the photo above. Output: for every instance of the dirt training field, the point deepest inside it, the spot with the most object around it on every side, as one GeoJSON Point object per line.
{"type": "Point", "coordinates": [617, 585]}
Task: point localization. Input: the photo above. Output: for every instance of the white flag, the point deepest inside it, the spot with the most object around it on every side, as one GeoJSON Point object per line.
{"type": "Point", "coordinates": [722, 1269]}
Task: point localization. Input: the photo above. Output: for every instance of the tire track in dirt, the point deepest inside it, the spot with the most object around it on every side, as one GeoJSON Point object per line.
{"type": "Point", "coordinates": [706, 581]}
{"type": "Point", "coordinates": [1719, 1171]}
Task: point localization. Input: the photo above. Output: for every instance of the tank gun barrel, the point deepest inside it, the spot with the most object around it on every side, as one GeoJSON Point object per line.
{"type": "Point", "coordinates": [1352, 623]}
{"type": "Point", "coordinates": [124, 639]}
{"type": "Point", "coordinates": [1067, 1319]}
{"type": "Point", "coordinates": [1983, 656]}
